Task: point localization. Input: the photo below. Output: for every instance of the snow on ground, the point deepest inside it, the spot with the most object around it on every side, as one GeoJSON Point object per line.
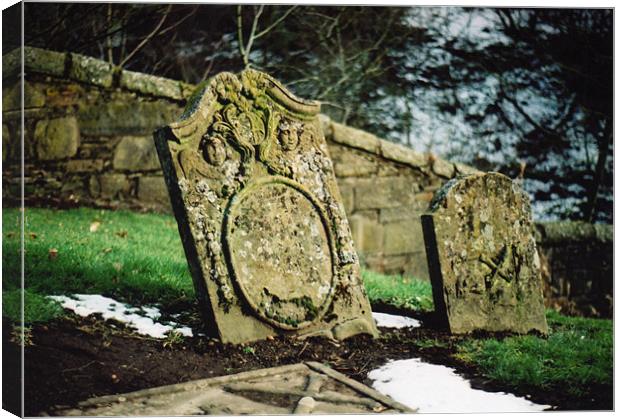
{"type": "Point", "coordinates": [140, 318]}
{"type": "Point", "coordinates": [390, 320]}
{"type": "Point", "coordinates": [438, 389]}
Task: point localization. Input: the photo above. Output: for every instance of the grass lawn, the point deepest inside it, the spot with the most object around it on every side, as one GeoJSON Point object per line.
{"type": "Point", "coordinates": [138, 259]}
{"type": "Point", "coordinates": [577, 355]}
{"type": "Point", "coordinates": [135, 258]}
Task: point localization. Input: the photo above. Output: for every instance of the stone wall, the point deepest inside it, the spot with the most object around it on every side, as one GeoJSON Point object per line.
{"type": "Point", "coordinates": [88, 131]}
{"type": "Point", "coordinates": [88, 141]}
{"type": "Point", "coordinates": [577, 261]}
{"type": "Point", "coordinates": [385, 188]}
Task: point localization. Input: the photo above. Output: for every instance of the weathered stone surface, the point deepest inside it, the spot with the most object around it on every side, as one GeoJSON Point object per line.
{"type": "Point", "coordinates": [410, 213]}
{"type": "Point", "coordinates": [385, 192]}
{"type": "Point", "coordinates": [90, 70]}
{"type": "Point", "coordinates": [365, 233]}
{"type": "Point", "coordinates": [463, 169]}
{"type": "Point", "coordinates": [354, 137]}
{"type": "Point", "coordinates": [44, 61]}
{"type": "Point", "coordinates": [6, 142]}
{"type": "Point", "coordinates": [443, 168]}
{"type": "Point", "coordinates": [84, 166]}
{"type": "Point", "coordinates": [482, 256]}
{"type": "Point", "coordinates": [402, 237]}
{"type": "Point", "coordinates": [403, 154]}
{"type": "Point", "coordinates": [136, 154]}
{"type": "Point", "coordinates": [113, 185]}
{"type": "Point", "coordinates": [152, 189]}
{"type": "Point", "coordinates": [33, 97]}
{"type": "Point", "coordinates": [353, 164]}
{"type": "Point", "coordinates": [259, 212]}
{"type": "Point", "coordinates": [346, 192]}
{"type": "Point", "coordinates": [125, 116]}
{"type": "Point", "coordinates": [151, 85]}
{"type": "Point", "coordinates": [94, 187]}
{"type": "Point", "coordinates": [309, 388]}
{"type": "Point", "coordinates": [56, 138]}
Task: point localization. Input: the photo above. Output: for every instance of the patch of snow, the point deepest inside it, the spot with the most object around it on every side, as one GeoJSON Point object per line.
{"type": "Point", "coordinates": [390, 320]}
{"type": "Point", "coordinates": [438, 389]}
{"type": "Point", "coordinates": [140, 318]}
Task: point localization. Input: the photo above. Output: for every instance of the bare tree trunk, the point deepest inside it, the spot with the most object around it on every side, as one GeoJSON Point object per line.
{"type": "Point", "coordinates": [599, 171]}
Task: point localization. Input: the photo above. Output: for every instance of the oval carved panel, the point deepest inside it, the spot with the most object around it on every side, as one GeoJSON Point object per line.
{"type": "Point", "coordinates": [280, 252]}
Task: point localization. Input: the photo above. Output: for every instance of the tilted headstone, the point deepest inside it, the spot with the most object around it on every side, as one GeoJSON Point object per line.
{"type": "Point", "coordinates": [260, 215]}
{"type": "Point", "coordinates": [482, 256]}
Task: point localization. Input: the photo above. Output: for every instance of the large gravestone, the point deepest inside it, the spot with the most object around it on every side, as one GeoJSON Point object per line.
{"type": "Point", "coordinates": [260, 215]}
{"type": "Point", "coordinates": [482, 256]}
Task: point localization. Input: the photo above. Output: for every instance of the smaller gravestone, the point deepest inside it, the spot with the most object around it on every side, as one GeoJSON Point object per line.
{"type": "Point", "coordinates": [482, 256]}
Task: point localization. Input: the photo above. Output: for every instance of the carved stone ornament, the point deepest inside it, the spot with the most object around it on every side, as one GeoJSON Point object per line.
{"type": "Point", "coordinates": [260, 215]}
{"type": "Point", "coordinates": [482, 256]}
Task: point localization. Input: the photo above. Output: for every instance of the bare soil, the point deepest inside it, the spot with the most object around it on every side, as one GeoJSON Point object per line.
{"type": "Point", "coordinates": [74, 358]}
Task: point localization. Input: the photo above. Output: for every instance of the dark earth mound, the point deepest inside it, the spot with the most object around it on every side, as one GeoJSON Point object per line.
{"type": "Point", "coordinates": [73, 358]}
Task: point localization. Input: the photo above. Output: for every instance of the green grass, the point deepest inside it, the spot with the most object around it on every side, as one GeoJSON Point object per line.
{"type": "Point", "coordinates": [136, 258]}
{"type": "Point", "coordinates": [399, 291]}
{"type": "Point", "coordinates": [577, 355]}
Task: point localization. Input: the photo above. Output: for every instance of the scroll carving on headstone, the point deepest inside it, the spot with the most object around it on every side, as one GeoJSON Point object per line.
{"type": "Point", "coordinates": [482, 256]}
{"type": "Point", "coordinates": [260, 215]}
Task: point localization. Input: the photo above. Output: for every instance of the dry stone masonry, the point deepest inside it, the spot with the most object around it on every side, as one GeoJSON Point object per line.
{"type": "Point", "coordinates": [260, 215]}
{"type": "Point", "coordinates": [482, 256]}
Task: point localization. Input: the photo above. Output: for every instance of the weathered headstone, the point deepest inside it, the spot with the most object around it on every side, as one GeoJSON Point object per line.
{"type": "Point", "coordinates": [309, 388]}
{"type": "Point", "coordinates": [260, 215]}
{"type": "Point", "coordinates": [482, 256]}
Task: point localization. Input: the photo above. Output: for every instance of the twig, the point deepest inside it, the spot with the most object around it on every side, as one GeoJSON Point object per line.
{"type": "Point", "coordinates": [303, 349]}
{"type": "Point", "coordinates": [80, 368]}
{"type": "Point", "coordinates": [109, 38]}
{"type": "Point", "coordinates": [148, 37]}
{"type": "Point", "coordinates": [276, 23]}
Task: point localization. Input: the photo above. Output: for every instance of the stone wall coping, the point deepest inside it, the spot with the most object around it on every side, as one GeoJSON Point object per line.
{"type": "Point", "coordinates": [90, 70]}
{"type": "Point", "coordinates": [362, 140]}
{"type": "Point", "coordinates": [93, 71]}
{"type": "Point", "coordinates": [561, 232]}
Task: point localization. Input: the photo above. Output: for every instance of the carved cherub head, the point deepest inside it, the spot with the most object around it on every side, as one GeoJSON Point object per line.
{"type": "Point", "coordinates": [214, 149]}
{"type": "Point", "coordinates": [289, 135]}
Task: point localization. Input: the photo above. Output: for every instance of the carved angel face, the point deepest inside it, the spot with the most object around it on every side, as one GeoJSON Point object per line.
{"type": "Point", "coordinates": [289, 136]}
{"type": "Point", "coordinates": [214, 150]}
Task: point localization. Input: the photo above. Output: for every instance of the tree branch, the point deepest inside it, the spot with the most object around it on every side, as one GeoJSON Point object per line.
{"type": "Point", "coordinates": [148, 37]}
{"type": "Point", "coordinates": [276, 23]}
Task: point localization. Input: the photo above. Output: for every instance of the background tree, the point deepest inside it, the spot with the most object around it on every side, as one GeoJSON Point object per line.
{"type": "Point", "coordinates": [527, 92]}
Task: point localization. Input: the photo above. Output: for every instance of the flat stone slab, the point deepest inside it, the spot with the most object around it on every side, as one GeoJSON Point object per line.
{"type": "Point", "coordinates": [306, 388]}
{"type": "Point", "coordinates": [482, 256]}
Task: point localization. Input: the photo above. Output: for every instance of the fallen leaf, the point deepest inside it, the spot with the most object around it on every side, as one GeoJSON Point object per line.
{"type": "Point", "coordinates": [107, 250]}
{"type": "Point", "coordinates": [122, 234]}
{"type": "Point", "coordinates": [94, 226]}
{"type": "Point", "coordinates": [52, 253]}
{"type": "Point", "coordinates": [33, 235]}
